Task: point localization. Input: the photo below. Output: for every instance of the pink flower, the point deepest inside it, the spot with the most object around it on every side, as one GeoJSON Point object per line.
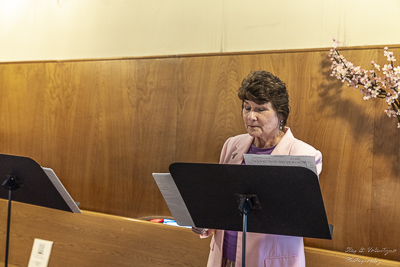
{"type": "Point", "coordinates": [369, 84]}
{"type": "Point", "coordinates": [389, 55]}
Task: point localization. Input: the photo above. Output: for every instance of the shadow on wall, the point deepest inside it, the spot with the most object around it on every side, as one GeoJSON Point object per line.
{"type": "Point", "coordinates": [333, 100]}
{"type": "Point", "coordinates": [360, 119]}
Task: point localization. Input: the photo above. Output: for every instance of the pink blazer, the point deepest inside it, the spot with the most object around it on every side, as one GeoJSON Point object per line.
{"type": "Point", "coordinates": [263, 250]}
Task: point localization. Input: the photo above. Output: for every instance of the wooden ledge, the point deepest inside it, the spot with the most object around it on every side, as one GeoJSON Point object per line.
{"type": "Point", "coordinates": [316, 257]}
{"type": "Point", "coordinates": [96, 239]}
{"type": "Point", "coordinates": [100, 240]}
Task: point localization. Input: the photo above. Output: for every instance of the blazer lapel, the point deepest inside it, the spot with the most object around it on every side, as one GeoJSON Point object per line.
{"type": "Point", "coordinates": [284, 146]}
{"type": "Point", "coordinates": [240, 149]}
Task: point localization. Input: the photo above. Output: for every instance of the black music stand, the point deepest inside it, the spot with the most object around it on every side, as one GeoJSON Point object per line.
{"type": "Point", "coordinates": [282, 200]}
{"type": "Point", "coordinates": [24, 180]}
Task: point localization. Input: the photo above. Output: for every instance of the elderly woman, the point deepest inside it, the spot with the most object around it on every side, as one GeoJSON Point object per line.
{"type": "Point", "coordinates": [265, 110]}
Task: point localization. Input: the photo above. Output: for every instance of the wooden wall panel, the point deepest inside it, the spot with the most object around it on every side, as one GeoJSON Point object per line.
{"type": "Point", "coordinates": [208, 109]}
{"type": "Point", "coordinates": [345, 127]}
{"type": "Point", "coordinates": [21, 107]}
{"type": "Point", "coordinates": [385, 211]}
{"type": "Point", "coordinates": [104, 126]}
{"type": "Point", "coordinates": [101, 125]}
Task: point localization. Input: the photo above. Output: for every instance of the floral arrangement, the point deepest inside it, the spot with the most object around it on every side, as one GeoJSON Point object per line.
{"type": "Point", "coordinates": [367, 81]}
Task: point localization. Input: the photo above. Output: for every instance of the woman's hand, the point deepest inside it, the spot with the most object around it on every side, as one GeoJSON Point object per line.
{"type": "Point", "coordinates": [200, 231]}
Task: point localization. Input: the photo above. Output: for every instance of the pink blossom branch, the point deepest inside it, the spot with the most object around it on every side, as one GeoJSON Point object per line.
{"type": "Point", "coordinates": [369, 84]}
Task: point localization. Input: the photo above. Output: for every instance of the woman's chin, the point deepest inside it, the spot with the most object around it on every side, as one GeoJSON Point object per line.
{"type": "Point", "coordinates": [254, 134]}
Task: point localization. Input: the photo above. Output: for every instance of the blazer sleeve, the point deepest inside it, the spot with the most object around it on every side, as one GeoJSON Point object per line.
{"type": "Point", "coordinates": [224, 156]}
{"type": "Point", "coordinates": [301, 148]}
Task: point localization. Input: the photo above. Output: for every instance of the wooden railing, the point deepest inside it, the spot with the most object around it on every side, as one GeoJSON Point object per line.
{"type": "Point", "coordinates": [98, 240]}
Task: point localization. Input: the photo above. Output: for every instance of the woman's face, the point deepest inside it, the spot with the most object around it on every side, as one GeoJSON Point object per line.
{"type": "Point", "coordinates": [261, 121]}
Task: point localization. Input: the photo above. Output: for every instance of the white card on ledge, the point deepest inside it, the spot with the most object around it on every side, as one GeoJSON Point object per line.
{"type": "Point", "coordinates": [40, 254]}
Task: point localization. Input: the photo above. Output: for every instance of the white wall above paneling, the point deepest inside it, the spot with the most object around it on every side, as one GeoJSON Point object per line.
{"type": "Point", "coordinates": [76, 29]}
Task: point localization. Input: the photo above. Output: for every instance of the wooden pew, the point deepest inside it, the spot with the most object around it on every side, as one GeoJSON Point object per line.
{"type": "Point", "coordinates": [96, 239]}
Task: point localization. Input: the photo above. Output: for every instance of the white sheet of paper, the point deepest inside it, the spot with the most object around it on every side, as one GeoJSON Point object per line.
{"type": "Point", "coordinates": [175, 203]}
{"type": "Point", "coordinates": [61, 189]}
{"type": "Point", "coordinates": [281, 160]}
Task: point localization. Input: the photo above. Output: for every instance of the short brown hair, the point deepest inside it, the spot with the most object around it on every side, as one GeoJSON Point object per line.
{"type": "Point", "coordinates": [262, 87]}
